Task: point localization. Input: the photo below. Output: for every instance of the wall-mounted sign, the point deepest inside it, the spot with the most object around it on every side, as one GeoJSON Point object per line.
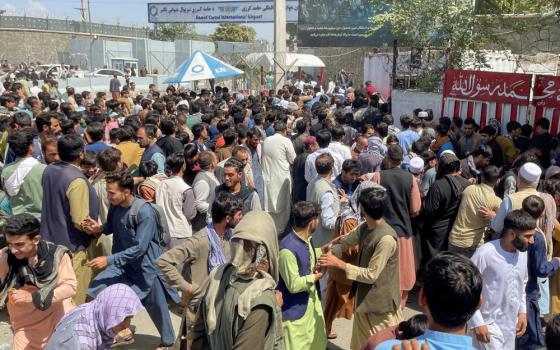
{"type": "Point", "coordinates": [219, 12]}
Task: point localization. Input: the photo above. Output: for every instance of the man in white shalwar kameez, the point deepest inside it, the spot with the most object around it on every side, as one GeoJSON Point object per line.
{"type": "Point", "coordinates": [277, 155]}
{"type": "Point", "coordinates": [503, 265]}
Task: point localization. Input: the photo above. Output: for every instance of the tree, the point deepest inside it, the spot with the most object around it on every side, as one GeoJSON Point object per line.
{"type": "Point", "coordinates": [443, 24]}
{"type": "Point", "coordinates": [234, 32]}
{"type": "Point", "coordinates": [453, 28]}
{"type": "Point", "coordinates": [514, 6]}
{"type": "Point", "coordinates": [173, 31]}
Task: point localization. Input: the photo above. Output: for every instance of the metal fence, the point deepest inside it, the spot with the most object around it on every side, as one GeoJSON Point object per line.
{"type": "Point", "coordinates": [72, 26]}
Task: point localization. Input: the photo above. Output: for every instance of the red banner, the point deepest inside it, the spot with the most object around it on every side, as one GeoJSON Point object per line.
{"type": "Point", "coordinates": [547, 91]}
{"type": "Point", "coordinates": [488, 86]}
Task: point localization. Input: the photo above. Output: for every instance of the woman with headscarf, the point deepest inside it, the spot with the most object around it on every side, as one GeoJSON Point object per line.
{"type": "Point", "coordinates": [240, 309]}
{"type": "Point", "coordinates": [94, 325]}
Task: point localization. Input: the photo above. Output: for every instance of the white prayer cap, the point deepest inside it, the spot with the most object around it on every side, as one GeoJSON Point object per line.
{"type": "Point", "coordinates": [448, 151]}
{"type": "Point", "coordinates": [416, 165]}
{"type": "Point", "coordinates": [422, 114]}
{"type": "Point", "coordinates": [292, 107]}
{"type": "Point", "coordinates": [530, 172]}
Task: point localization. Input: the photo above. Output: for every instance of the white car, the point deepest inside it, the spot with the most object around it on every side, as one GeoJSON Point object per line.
{"type": "Point", "coordinates": [55, 70]}
{"type": "Point", "coordinates": [105, 72]}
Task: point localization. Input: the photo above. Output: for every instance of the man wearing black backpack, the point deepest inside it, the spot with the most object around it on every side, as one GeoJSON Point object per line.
{"type": "Point", "coordinates": [139, 236]}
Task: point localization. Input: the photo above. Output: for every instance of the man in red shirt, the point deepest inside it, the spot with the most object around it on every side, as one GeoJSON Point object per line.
{"type": "Point", "coordinates": [371, 90]}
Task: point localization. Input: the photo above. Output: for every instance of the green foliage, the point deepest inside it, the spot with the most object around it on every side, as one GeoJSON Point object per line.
{"type": "Point", "coordinates": [173, 31]}
{"type": "Point", "coordinates": [456, 29]}
{"type": "Point", "coordinates": [234, 32]}
{"type": "Point", "coordinates": [494, 7]}
{"type": "Point", "coordinates": [445, 24]}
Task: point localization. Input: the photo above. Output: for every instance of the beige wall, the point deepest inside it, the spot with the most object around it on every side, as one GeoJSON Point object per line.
{"type": "Point", "coordinates": [32, 46]}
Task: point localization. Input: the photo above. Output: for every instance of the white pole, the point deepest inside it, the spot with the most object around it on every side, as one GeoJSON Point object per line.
{"type": "Point", "coordinates": [279, 43]}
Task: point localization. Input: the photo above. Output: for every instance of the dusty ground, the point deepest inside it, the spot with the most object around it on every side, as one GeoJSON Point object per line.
{"type": "Point", "coordinates": [147, 337]}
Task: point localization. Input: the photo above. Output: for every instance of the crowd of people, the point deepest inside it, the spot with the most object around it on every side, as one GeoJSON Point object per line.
{"type": "Point", "coordinates": [260, 219]}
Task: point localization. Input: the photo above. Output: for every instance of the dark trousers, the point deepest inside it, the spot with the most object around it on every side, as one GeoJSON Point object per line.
{"type": "Point", "coordinates": [156, 306]}
{"type": "Point", "coordinates": [533, 337]}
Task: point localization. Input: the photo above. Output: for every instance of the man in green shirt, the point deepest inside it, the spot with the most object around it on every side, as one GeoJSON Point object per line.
{"type": "Point", "coordinates": [22, 179]}
{"type": "Point", "coordinates": [302, 314]}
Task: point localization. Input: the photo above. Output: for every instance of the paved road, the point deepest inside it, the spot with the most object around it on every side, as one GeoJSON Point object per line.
{"type": "Point", "coordinates": [147, 336]}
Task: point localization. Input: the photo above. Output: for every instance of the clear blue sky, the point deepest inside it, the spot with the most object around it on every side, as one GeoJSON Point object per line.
{"type": "Point", "coordinates": [125, 12]}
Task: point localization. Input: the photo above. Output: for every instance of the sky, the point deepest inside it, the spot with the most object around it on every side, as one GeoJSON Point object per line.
{"type": "Point", "coordinates": [124, 12]}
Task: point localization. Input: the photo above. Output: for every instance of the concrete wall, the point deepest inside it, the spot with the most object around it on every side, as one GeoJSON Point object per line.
{"type": "Point", "coordinates": [33, 46]}
{"type": "Point", "coordinates": [102, 83]}
{"type": "Point", "coordinates": [538, 40]}
{"type": "Point", "coordinates": [51, 47]}
{"type": "Point", "coordinates": [103, 51]}
{"type": "Point", "coordinates": [185, 48]}
{"type": "Point", "coordinates": [405, 101]}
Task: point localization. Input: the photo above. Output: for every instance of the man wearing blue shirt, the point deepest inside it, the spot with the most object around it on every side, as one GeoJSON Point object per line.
{"type": "Point", "coordinates": [450, 296]}
{"type": "Point", "coordinates": [95, 132]}
{"type": "Point", "coordinates": [348, 179]}
{"type": "Point", "coordinates": [410, 134]}
{"type": "Point", "coordinates": [136, 248]}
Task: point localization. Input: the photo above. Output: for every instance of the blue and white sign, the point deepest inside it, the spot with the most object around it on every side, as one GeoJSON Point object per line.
{"type": "Point", "coordinates": [219, 12]}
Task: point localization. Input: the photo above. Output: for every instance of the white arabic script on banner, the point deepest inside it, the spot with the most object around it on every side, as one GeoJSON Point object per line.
{"type": "Point", "coordinates": [219, 12]}
{"type": "Point", "coordinates": [546, 92]}
{"type": "Point", "coordinates": [472, 87]}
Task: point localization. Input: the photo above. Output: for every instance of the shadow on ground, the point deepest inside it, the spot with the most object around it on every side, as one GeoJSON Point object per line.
{"type": "Point", "coordinates": [331, 346]}
{"type": "Point", "coordinates": [412, 302]}
{"type": "Point", "coordinates": [142, 341]}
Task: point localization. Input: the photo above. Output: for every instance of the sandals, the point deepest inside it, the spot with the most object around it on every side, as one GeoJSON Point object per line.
{"type": "Point", "coordinates": [121, 341]}
{"type": "Point", "coordinates": [125, 337]}
{"type": "Point", "coordinates": [332, 335]}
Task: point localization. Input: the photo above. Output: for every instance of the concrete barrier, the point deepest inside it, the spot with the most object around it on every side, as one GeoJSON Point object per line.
{"type": "Point", "coordinates": [97, 84]}
{"type": "Point", "coordinates": [405, 101]}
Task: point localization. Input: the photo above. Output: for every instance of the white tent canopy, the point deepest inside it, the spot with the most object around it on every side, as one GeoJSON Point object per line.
{"type": "Point", "coordinates": [293, 60]}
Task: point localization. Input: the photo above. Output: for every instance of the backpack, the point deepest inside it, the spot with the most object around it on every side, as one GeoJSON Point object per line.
{"type": "Point", "coordinates": [500, 189]}
{"type": "Point", "coordinates": [163, 228]}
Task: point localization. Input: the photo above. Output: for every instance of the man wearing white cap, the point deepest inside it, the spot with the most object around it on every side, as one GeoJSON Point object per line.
{"type": "Point", "coordinates": [416, 168]}
{"type": "Point", "coordinates": [427, 129]}
{"type": "Point", "coordinates": [527, 182]}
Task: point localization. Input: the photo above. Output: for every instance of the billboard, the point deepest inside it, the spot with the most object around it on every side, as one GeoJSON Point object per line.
{"type": "Point", "coordinates": [339, 23]}
{"type": "Point", "coordinates": [219, 12]}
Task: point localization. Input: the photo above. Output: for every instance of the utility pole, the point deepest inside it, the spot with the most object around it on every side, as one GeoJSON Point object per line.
{"type": "Point", "coordinates": [85, 11]}
{"type": "Point", "coordinates": [395, 60]}
{"type": "Point", "coordinates": [92, 38]}
{"type": "Point", "coordinates": [279, 43]}
{"type": "Point", "coordinates": [86, 17]}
